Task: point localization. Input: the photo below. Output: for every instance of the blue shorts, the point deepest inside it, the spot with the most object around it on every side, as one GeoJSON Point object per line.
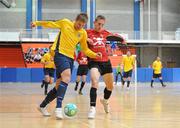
{"type": "Point", "coordinates": [127, 74]}
{"type": "Point", "coordinates": [62, 63]}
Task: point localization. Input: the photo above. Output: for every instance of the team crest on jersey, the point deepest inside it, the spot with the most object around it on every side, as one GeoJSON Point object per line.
{"type": "Point", "coordinates": [98, 41]}
{"type": "Point", "coordinates": [79, 35]}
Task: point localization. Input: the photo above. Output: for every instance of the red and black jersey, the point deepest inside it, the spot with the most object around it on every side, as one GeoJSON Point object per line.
{"type": "Point", "coordinates": [99, 43]}
{"type": "Point", "coordinates": [82, 58]}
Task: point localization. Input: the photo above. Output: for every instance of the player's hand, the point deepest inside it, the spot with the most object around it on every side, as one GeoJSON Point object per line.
{"type": "Point", "coordinates": [99, 55]}
{"type": "Point", "coordinates": [90, 41]}
{"type": "Point", "coordinates": [33, 24]}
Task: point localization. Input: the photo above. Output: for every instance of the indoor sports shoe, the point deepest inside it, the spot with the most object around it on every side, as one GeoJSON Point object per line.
{"type": "Point", "coordinates": [80, 93]}
{"type": "Point", "coordinates": [164, 85]}
{"type": "Point", "coordinates": [44, 111]}
{"type": "Point", "coordinates": [59, 113]}
{"type": "Point", "coordinates": [92, 112]}
{"type": "Point", "coordinates": [105, 104]}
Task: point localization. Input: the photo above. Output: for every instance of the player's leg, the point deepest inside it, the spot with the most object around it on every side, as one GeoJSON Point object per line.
{"type": "Point", "coordinates": [129, 79]}
{"type": "Point", "coordinates": [78, 78]}
{"type": "Point", "coordinates": [161, 80]}
{"type": "Point", "coordinates": [152, 80]}
{"type": "Point", "coordinates": [65, 66]}
{"type": "Point", "coordinates": [107, 74]}
{"type": "Point", "coordinates": [84, 73]}
{"type": "Point", "coordinates": [94, 73]}
{"type": "Point", "coordinates": [82, 84]}
{"type": "Point", "coordinates": [51, 80]}
{"type": "Point", "coordinates": [52, 94]}
{"type": "Point", "coordinates": [43, 83]}
{"type": "Point", "coordinates": [47, 79]}
{"type": "Point", "coordinates": [125, 75]}
{"type": "Point", "coordinates": [45, 74]}
{"type": "Point", "coordinates": [108, 79]}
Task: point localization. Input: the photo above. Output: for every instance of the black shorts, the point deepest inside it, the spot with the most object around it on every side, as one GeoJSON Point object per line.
{"type": "Point", "coordinates": [157, 75]}
{"type": "Point", "coordinates": [103, 67]}
{"type": "Point", "coordinates": [127, 74]}
{"type": "Point", "coordinates": [49, 71]}
{"type": "Point", "coordinates": [82, 70]}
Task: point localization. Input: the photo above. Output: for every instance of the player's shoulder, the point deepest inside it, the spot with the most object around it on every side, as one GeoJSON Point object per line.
{"type": "Point", "coordinates": [89, 30]}
{"type": "Point", "coordinates": [83, 31]}
{"type": "Point", "coordinates": [106, 31]}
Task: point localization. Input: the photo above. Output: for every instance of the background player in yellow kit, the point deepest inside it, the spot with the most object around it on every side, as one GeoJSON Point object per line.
{"type": "Point", "coordinates": [127, 67]}
{"type": "Point", "coordinates": [157, 67]}
{"type": "Point", "coordinates": [49, 67]}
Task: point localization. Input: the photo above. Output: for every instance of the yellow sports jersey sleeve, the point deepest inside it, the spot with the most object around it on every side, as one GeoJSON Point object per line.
{"type": "Point", "coordinates": [51, 24]}
{"type": "Point", "coordinates": [85, 48]}
{"type": "Point", "coordinates": [157, 66]}
{"type": "Point", "coordinates": [48, 58]}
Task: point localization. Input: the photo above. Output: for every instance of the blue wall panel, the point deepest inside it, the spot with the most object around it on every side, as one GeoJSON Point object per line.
{"type": "Point", "coordinates": [176, 75]}
{"type": "Point", "coordinates": [0, 74]}
{"type": "Point", "coordinates": [148, 74]}
{"type": "Point", "coordinates": [8, 74]}
{"type": "Point", "coordinates": [23, 74]}
{"type": "Point", "coordinates": [37, 74]}
{"type": "Point", "coordinates": [141, 75]}
{"type": "Point", "coordinates": [167, 74]}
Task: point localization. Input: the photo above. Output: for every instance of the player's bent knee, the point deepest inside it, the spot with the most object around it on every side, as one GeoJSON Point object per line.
{"type": "Point", "coordinates": [110, 88]}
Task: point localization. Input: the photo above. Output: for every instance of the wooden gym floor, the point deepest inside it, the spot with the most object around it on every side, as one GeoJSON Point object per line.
{"type": "Point", "coordinates": [151, 108]}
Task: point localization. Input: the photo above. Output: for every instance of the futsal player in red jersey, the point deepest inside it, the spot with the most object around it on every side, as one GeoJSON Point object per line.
{"type": "Point", "coordinates": [99, 67]}
{"type": "Point", "coordinates": [81, 71]}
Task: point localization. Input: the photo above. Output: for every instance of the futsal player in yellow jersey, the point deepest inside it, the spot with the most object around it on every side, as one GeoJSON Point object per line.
{"type": "Point", "coordinates": [71, 33]}
{"type": "Point", "coordinates": [157, 67]}
{"type": "Point", "coordinates": [127, 67]}
{"type": "Point", "coordinates": [49, 68]}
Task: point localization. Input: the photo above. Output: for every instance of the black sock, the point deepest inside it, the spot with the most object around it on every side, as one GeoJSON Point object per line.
{"type": "Point", "coordinates": [123, 82]}
{"type": "Point", "coordinates": [46, 88]}
{"type": "Point", "coordinates": [93, 96]}
{"type": "Point", "coordinates": [152, 82]}
{"type": "Point", "coordinates": [82, 85]}
{"type": "Point", "coordinates": [128, 83]}
{"type": "Point", "coordinates": [162, 82]}
{"type": "Point", "coordinates": [76, 87]}
{"type": "Point", "coordinates": [43, 83]}
{"type": "Point", "coordinates": [50, 97]}
{"type": "Point", "coordinates": [107, 93]}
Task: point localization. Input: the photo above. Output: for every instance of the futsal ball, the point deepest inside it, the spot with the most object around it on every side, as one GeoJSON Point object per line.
{"type": "Point", "coordinates": [70, 110]}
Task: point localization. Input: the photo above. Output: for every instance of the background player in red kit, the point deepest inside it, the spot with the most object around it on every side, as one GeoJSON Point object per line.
{"type": "Point", "coordinates": [82, 71]}
{"type": "Point", "coordinates": [99, 67]}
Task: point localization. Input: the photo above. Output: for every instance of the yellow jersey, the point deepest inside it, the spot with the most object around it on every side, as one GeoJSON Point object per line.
{"type": "Point", "coordinates": [157, 66]}
{"type": "Point", "coordinates": [48, 58]}
{"type": "Point", "coordinates": [128, 63]}
{"type": "Point", "coordinates": [69, 37]}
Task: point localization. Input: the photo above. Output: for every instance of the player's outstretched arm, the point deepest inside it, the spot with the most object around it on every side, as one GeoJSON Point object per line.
{"type": "Point", "coordinates": [48, 24]}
